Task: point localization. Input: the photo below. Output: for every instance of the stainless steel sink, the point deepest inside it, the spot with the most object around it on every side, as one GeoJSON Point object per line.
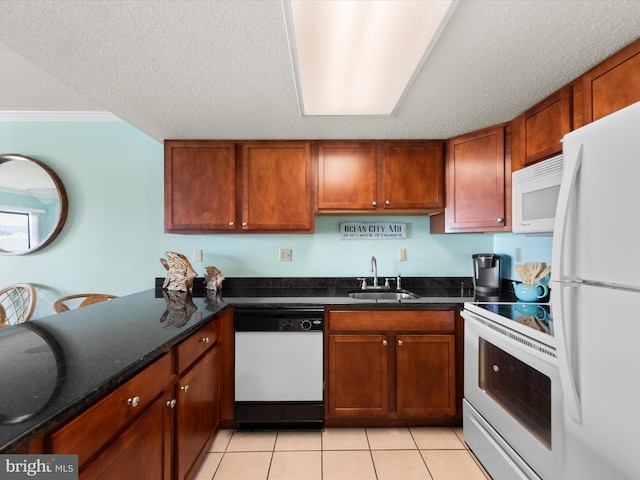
{"type": "Point", "coordinates": [384, 295]}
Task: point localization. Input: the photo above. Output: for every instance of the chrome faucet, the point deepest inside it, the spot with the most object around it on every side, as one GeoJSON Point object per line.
{"type": "Point", "coordinates": [374, 269]}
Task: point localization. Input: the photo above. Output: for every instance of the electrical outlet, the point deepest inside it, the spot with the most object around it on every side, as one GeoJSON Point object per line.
{"type": "Point", "coordinates": [402, 254]}
{"type": "Point", "coordinates": [518, 255]}
{"type": "Point", "coordinates": [286, 254]}
{"type": "Point", "coordinates": [197, 255]}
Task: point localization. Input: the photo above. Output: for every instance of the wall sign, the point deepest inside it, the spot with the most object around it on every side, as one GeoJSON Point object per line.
{"type": "Point", "coordinates": [372, 230]}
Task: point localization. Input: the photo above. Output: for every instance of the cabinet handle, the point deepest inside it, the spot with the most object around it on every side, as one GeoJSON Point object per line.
{"type": "Point", "coordinates": [185, 389]}
{"type": "Point", "coordinates": [133, 402]}
{"type": "Point", "coordinates": [388, 202]}
{"type": "Point", "coordinates": [231, 224]}
{"type": "Point", "coordinates": [384, 342]}
{"type": "Point", "coordinates": [374, 203]}
{"type": "Point", "coordinates": [171, 403]}
{"type": "Point", "coordinates": [204, 339]}
{"type": "Point", "coordinates": [400, 343]}
{"type": "Point", "coordinates": [244, 224]}
{"type": "Point", "coordinates": [500, 220]}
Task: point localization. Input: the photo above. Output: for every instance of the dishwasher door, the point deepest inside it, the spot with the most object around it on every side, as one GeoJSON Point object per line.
{"type": "Point", "coordinates": [278, 366]}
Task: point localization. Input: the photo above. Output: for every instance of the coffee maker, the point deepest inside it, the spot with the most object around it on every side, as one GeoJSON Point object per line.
{"type": "Point", "coordinates": [486, 273]}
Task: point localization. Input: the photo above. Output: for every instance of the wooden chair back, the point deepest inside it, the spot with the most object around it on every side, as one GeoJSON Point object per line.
{"type": "Point", "coordinates": [88, 299]}
{"type": "Point", "coordinates": [17, 303]}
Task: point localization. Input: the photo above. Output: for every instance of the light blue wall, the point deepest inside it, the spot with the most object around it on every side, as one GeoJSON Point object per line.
{"type": "Point", "coordinates": [114, 235]}
{"type": "Point", "coordinates": [533, 249]}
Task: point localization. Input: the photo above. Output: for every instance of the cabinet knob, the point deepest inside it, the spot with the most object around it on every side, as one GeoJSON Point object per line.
{"type": "Point", "coordinates": [185, 388]}
{"type": "Point", "coordinates": [495, 368]}
{"type": "Point", "coordinates": [384, 342]}
{"type": "Point", "coordinates": [133, 402]}
{"type": "Point", "coordinates": [244, 224]}
{"type": "Point", "coordinates": [171, 403]}
{"type": "Point", "coordinates": [500, 220]}
{"type": "Point", "coordinates": [204, 339]}
{"type": "Point", "coordinates": [374, 203]}
{"type": "Point", "coordinates": [388, 202]}
{"type": "Point", "coordinates": [400, 343]}
{"type": "Point", "coordinates": [231, 224]}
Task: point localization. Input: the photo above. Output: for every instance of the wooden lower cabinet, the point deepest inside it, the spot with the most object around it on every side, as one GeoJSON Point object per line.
{"type": "Point", "coordinates": [152, 427]}
{"type": "Point", "coordinates": [358, 376]}
{"type": "Point", "coordinates": [392, 365]}
{"type": "Point", "coordinates": [425, 376]}
{"type": "Point", "coordinates": [101, 432]}
{"type": "Point", "coordinates": [197, 411]}
{"type": "Point", "coordinates": [142, 452]}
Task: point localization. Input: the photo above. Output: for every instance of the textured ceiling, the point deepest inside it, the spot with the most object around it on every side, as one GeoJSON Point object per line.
{"type": "Point", "coordinates": [221, 69]}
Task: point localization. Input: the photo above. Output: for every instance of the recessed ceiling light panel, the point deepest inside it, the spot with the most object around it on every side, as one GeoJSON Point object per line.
{"type": "Point", "coordinates": [357, 57]}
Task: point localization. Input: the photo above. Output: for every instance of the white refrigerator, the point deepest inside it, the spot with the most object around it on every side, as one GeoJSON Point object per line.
{"type": "Point", "coordinates": [595, 285]}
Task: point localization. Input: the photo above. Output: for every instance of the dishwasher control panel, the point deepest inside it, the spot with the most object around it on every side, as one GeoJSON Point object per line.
{"type": "Point", "coordinates": [295, 319]}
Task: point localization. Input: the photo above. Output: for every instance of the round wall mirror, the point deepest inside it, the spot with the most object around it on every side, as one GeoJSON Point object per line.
{"type": "Point", "coordinates": [33, 205]}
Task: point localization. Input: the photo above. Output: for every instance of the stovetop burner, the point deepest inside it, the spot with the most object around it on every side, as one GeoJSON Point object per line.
{"type": "Point", "coordinates": [532, 315]}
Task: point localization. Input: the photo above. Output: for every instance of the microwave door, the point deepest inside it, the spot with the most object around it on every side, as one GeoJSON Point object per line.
{"type": "Point", "coordinates": [535, 192]}
{"type": "Point", "coordinates": [540, 204]}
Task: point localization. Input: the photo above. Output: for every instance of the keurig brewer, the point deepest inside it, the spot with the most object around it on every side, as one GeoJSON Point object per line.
{"type": "Point", "coordinates": [486, 272]}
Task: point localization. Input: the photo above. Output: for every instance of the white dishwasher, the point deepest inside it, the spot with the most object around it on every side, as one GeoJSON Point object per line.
{"type": "Point", "coordinates": [279, 367]}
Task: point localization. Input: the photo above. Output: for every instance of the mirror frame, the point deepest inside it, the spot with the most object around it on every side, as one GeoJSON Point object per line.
{"type": "Point", "coordinates": [62, 197]}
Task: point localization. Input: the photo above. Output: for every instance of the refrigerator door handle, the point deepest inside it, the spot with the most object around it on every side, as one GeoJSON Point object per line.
{"type": "Point", "coordinates": [567, 188]}
{"type": "Point", "coordinates": [566, 365]}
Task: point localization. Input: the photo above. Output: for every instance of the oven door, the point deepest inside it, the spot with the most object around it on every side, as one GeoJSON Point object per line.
{"type": "Point", "coordinates": [513, 383]}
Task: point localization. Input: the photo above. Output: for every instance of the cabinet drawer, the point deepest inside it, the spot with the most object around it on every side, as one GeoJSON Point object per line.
{"type": "Point", "coordinates": [198, 343]}
{"type": "Point", "coordinates": [87, 433]}
{"type": "Point", "coordinates": [392, 321]}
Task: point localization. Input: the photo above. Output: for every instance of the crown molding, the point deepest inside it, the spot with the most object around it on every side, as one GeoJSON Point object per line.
{"type": "Point", "coordinates": [57, 116]}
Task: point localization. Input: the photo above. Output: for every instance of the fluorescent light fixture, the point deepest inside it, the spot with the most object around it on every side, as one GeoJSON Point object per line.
{"type": "Point", "coordinates": [358, 57]}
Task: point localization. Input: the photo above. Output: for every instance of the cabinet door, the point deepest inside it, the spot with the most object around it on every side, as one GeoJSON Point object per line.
{"type": "Point", "coordinates": [277, 186]}
{"type": "Point", "coordinates": [88, 433]}
{"type": "Point", "coordinates": [358, 376]}
{"type": "Point", "coordinates": [143, 451]}
{"type": "Point", "coordinates": [425, 376]}
{"type": "Point", "coordinates": [613, 84]}
{"type": "Point", "coordinates": [347, 173]}
{"type": "Point", "coordinates": [543, 127]}
{"type": "Point", "coordinates": [476, 200]}
{"type": "Point", "coordinates": [413, 175]}
{"type": "Point", "coordinates": [199, 186]}
{"type": "Point", "coordinates": [197, 411]}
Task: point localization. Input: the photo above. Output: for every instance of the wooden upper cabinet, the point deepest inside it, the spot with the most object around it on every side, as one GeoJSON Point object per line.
{"type": "Point", "coordinates": [413, 175]}
{"type": "Point", "coordinates": [276, 186]}
{"type": "Point", "coordinates": [199, 186]}
{"type": "Point", "coordinates": [205, 181]}
{"type": "Point", "coordinates": [381, 177]}
{"type": "Point", "coordinates": [543, 126]}
{"type": "Point", "coordinates": [613, 84]}
{"type": "Point", "coordinates": [347, 173]}
{"type": "Point", "coordinates": [476, 195]}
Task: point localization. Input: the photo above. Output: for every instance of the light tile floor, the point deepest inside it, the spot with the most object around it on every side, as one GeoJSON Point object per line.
{"type": "Point", "coordinates": [428, 453]}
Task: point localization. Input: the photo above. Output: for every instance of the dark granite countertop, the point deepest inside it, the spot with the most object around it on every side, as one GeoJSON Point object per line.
{"type": "Point", "coordinates": [55, 367]}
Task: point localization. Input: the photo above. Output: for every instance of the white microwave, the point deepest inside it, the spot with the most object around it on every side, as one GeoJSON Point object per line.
{"type": "Point", "coordinates": [534, 195]}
